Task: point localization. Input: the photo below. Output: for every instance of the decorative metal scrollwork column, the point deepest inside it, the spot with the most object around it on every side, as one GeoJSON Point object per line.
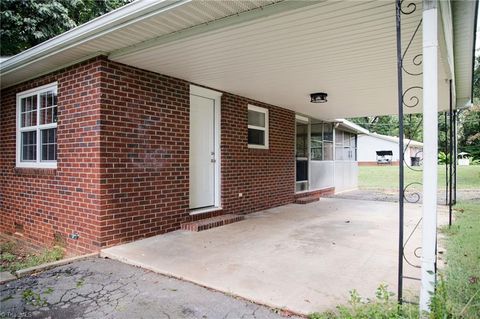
{"type": "Point", "coordinates": [407, 98]}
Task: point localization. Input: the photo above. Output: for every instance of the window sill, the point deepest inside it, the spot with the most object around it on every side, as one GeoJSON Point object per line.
{"type": "Point", "coordinates": [25, 171]}
{"type": "Point", "coordinates": [37, 165]}
{"type": "Point", "coordinates": [204, 210]}
{"type": "Point", "coordinates": [257, 147]}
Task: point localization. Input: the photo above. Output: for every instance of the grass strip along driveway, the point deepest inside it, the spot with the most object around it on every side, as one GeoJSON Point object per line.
{"type": "Point", "coordinates": [458, 295]}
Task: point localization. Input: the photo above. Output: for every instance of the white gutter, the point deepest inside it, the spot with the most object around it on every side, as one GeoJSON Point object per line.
{"type": "Point", "coordinates": [430, 140]}
{"type": "Point", "coordinates": [395, 139]}
{"type": "Point", "coordinates": [124, 16]}
{"type": "Point", "coordinates": [446, 25]}
{"type": "Point", "coordinates": [352, 126]}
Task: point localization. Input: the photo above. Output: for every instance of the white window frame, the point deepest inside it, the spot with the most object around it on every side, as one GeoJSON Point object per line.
{"type": "Point", "coordinates": [260, 128]}
{"type": "Point", "coordinates": [37, 128]}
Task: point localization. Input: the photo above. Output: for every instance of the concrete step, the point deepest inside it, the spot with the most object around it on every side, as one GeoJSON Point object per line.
{"type": "Point", "coordinates": [212, 222]}
{"type": "Point", "coordinates": [307, 199]}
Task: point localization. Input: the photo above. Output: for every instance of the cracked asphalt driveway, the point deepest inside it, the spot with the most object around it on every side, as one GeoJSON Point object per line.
{"type": "Point", "coordinates": [104, 288]}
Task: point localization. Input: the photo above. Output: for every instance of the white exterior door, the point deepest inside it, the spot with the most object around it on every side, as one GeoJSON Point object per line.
{"type": "Point", "coordinates": [202, 152]}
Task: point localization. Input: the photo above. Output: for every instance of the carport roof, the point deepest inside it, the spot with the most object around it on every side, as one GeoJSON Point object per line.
{"type": "Point", "coordinates": [274, 51]}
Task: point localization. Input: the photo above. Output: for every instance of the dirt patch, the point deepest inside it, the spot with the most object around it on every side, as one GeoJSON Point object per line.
{"type": "Point", "coordinates": [17, 253]}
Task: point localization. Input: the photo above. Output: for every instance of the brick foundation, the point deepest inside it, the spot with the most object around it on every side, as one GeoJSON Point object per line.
{"type": "Point", "coordinates": [212, 222]}
{"type": "Point", "coordinates": [317, 193]}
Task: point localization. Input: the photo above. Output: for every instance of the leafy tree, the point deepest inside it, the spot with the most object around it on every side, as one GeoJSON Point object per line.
{"type": "Point", "coordinates": [82, 11]}
{"type": "Point", "coordinates": [388, 125]}
{"type": "Point", "coordinates": [469, 140]}
{"type": "Point", "coordinates": [476, 80]}
{"type": "Point", "coordinates": [26, 23]}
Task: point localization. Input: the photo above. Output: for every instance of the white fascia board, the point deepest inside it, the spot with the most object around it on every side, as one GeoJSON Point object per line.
{"type": "Point", "coordinates": [463, 103]}
{"type": "Point", "coordinates": [464, 13]}
{"type": "Point", "coordinates": [446, 43]}
{"type": "Point", "coordinates": [126, 15]}
{"type": "Point", "coordinates": [395, 139]}
{"type": "Point", "coordinates": [352, 126]}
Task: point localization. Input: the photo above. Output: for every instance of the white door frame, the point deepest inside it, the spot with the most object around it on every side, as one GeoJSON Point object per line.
{"type": "Point", "coordinates": [304, 120]}
{"type": "Point", "coordinates": [216, 97]}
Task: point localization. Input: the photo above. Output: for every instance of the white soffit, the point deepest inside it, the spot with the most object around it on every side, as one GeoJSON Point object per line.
{"type": "Point", "coordinates": [126, 26]}
{"type": "Point", "coordinates": [270, 50]}
{"type": "Point", "coordinates": [344, 48]}
{"type": "Point", "coordinates": [464, 15]}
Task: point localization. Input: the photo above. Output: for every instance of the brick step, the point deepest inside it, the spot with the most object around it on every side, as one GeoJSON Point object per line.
{"type": "Point", "coordinates": [307, 199]}
{"type": "Point", "coordinates": [212, 222]}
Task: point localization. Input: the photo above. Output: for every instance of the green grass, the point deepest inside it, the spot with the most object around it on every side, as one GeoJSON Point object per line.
{"type": "Point", "coordinates": [386, 177]}
{"type": "Point", "coordinates": [384, 306]}
{"type": "Point", "coordinates": [460, 293]}
{"type": "Point", "coordinates": [11, 260]}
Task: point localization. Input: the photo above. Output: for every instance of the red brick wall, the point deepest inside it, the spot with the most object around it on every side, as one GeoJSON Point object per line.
{"type": "Point", "coordinates": [123, 137]}
{"type": "Point", "coordinates": [145, 142]}
{"type": "Point", "coordinates": [59, 201]}
{"type": "Point", "coordinates": [265, 177]}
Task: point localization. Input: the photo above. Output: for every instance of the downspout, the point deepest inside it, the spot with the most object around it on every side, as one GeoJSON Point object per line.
{"type": "Point", "coordinates": [430, 142]}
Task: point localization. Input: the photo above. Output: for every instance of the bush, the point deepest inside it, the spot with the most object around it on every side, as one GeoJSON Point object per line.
{"type": "Point", "coordinates": [444, 158]}
{"type": "Point", "coordinates": [384, 306]}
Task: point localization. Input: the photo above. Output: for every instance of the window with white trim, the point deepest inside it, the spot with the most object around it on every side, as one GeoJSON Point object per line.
{"type": "Point", "coordinates": [257, 127]}
{"type": "Point", "coordinates": [37, 127]}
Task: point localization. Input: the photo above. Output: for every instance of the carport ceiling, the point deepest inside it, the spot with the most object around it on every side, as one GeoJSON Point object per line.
{"type": "Point", "coordinates": [347, 49]}
{"type": "Point", "coordinates": [274, 51]}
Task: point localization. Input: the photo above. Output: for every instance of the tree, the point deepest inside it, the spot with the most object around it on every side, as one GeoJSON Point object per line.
{"type": "Point", "coordinates": [26, 23]}
{"type": "Point", "coordinates": [388, 125]}
{"type": "Point", "coordinates": [469, 140]}
{"type": "Point", "coordinates": [476, 80]}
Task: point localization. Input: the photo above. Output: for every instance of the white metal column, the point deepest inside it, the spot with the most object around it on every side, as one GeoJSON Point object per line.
{"type": "Point", "coordinates": [430, 139]}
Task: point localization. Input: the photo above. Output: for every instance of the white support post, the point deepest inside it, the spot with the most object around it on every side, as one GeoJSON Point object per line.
{"type": "Point", "coordinates": [430, 139]}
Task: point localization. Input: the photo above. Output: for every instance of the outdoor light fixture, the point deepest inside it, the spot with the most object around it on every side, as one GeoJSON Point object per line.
{"type": "Point", "coordinates": [318, 97]}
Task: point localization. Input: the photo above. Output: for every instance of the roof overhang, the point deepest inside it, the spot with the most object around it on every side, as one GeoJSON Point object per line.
{"type": "Point", "coordinates": [394, 139]}
{"type": "Point", "coordinates": [276, 52]}
{"type": "Point", "coordinates": [350, 126]}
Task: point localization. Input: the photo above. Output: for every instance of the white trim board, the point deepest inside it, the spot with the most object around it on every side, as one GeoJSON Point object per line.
{"type": "Point", "coordinates": [216, 97]}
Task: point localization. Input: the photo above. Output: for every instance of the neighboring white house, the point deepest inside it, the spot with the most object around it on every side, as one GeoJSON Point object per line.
{"type": "Point", "coordinates": [369, 144]}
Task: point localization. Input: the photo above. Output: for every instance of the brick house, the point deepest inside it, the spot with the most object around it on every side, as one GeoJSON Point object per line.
{"type": "Point", "coordinates": [117, 165]}
{"type": "Point", "coordinates": [143, 120]}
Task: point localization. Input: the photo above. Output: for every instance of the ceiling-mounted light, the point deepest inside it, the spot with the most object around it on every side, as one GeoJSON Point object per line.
{"type": "Point", "coordinates": [318, 97]}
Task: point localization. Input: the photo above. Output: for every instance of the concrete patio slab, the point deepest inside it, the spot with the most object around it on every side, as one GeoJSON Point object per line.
{"type": "Point", "coordinates": [304, 258]}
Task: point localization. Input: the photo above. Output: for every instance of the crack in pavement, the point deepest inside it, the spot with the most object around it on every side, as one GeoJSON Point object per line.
{"type": "Point", "coordinates": [103, 288]}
